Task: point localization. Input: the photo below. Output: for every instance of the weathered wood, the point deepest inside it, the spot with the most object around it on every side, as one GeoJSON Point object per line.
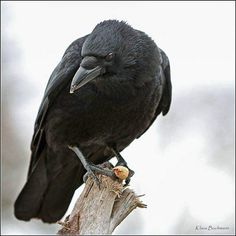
{"type": "Point", "coordinates": [100, 211]}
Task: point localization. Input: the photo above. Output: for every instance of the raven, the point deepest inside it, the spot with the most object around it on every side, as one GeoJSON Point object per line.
{"type": "Point", "coordinates": [107, 90]}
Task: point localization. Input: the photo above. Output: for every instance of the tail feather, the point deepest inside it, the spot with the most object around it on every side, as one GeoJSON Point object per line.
{"type": "Point", "coordinates": [60, 192]}
{"type": "Point", "coordinates": [29, 200]}
{"type": "Point", "coordinates": [47, 195]}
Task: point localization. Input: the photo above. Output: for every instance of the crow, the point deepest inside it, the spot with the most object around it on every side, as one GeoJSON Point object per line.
{"type": "Point", "coordinates": [106, 91]}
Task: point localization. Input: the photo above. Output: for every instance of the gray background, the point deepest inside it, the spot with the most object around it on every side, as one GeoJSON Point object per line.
{"type": "Point", "coordinates": [185, 162]}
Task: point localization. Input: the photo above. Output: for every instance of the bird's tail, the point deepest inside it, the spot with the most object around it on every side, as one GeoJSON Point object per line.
{"type": "Point", "coordinates": [47, 194]}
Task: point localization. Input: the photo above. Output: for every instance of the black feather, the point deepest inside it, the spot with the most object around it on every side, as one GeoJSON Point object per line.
{"type": "Point", "coordinates": [116, 107]}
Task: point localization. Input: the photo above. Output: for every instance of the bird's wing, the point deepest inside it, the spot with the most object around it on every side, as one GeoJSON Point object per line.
{"type": "Point", "coordinates": [164, 104]}
{"type": "Point", "coordinates": [59, 79]}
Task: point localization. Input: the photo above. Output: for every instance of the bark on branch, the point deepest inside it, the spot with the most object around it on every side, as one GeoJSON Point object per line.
{"type": "Point", "coordinates": [100, 211]}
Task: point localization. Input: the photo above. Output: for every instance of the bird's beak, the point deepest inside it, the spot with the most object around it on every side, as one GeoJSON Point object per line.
{"type": "Point", "coordinates": [83, 76]}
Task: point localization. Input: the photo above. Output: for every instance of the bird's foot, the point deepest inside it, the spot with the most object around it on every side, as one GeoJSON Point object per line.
{"type": "Point", "coordinates": [92, 169]}
{"type": "Point", "coordinates": [93, 175]}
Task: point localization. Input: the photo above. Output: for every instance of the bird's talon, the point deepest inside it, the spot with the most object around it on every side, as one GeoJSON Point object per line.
{"type": "Point", "coordinates": [85, 177]}
{"type": "Point", "coordinates": [131, 173]}
{"type": "Point", "coordinates": [127, 181]}
{"type": "Point", "coordinates": [95, 178]}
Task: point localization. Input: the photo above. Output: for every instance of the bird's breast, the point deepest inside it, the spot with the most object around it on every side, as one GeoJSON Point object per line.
{"type": "Point", "coordinates": [91, 116]}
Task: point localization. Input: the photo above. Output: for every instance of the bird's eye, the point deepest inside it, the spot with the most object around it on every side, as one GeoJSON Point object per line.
{"type": "Point", "coordinates": [109, 56]}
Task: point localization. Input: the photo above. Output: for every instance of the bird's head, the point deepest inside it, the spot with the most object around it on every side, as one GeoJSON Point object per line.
{"type": "Point", "coordinates": [115, 49]}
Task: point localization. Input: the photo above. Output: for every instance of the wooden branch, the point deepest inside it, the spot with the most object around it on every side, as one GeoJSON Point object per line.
{"type": "Point", "coordinates": [100, 211]}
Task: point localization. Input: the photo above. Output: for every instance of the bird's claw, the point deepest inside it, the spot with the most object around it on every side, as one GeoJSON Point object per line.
{"type": "Point", "coordinates": [94, 177]}
{"type": "Point", "coordinates": [131, 173]}
{"type": "Point", "coordinates": [127, 181]}
{"type": "Point", "coordinates": [92, 169]}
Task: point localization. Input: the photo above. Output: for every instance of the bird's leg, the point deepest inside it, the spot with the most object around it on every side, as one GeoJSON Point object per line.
{"type": "Point", "coordinates": [91, 168]}
{"type": "Point", "coordinates": [122, 162]}
{"type": "Point", "coordinates": [85, 163]}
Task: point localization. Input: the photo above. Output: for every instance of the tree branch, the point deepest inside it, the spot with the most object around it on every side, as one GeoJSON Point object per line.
{"type": "Point", "coordinates": [100, 211]}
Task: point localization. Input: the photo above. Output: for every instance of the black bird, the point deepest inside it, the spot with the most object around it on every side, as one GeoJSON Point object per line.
{"type": "Point", "coordinates": [107, 90]}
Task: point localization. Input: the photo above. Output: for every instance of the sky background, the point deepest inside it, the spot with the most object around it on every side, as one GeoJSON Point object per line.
{"type": "Point", "coordinates": [184, 164]}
